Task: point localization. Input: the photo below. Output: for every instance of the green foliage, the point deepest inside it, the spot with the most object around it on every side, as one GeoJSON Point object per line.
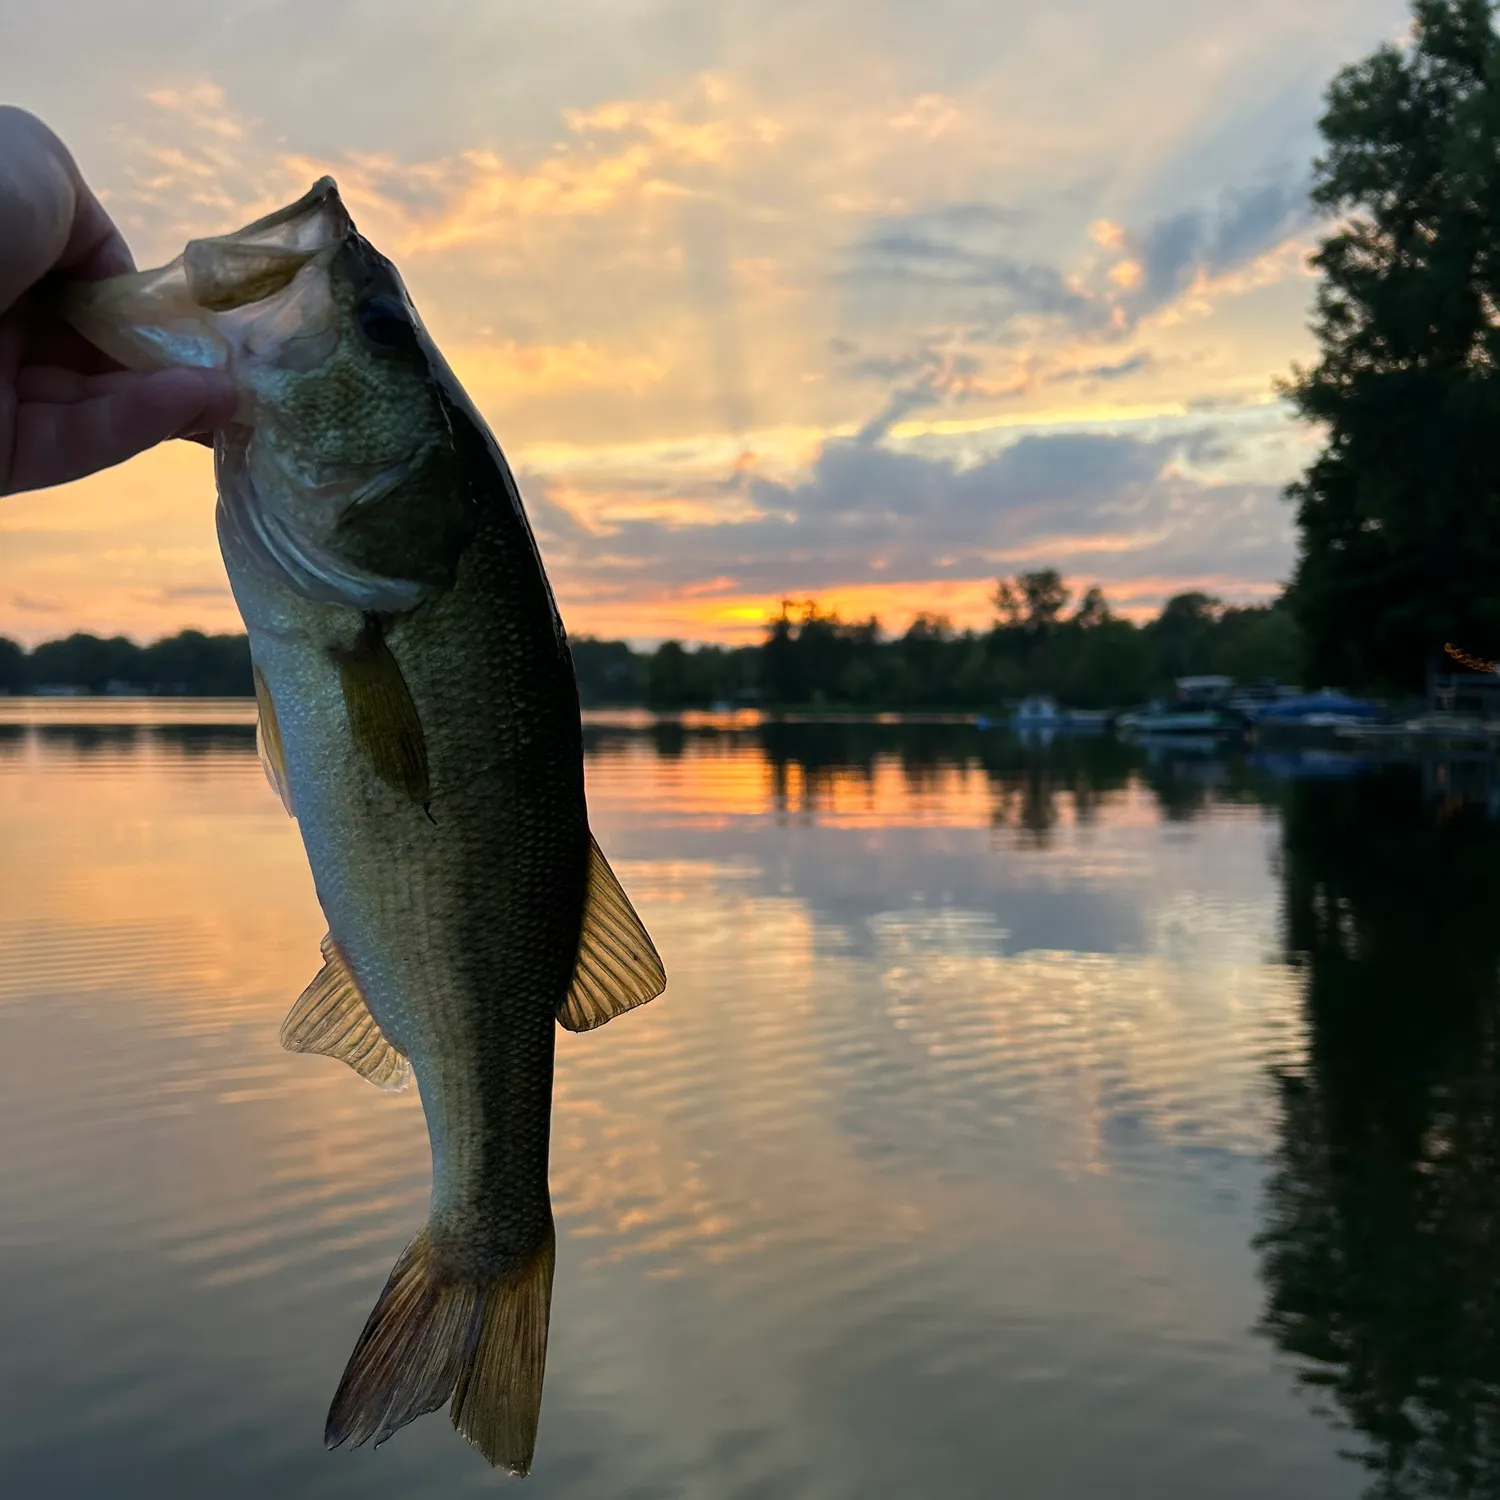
{"type": "Point", "coordinates": [1400, 514]}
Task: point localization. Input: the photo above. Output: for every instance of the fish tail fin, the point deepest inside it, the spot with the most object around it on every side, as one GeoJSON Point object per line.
{"type": "Point", "coordinates": [499, 1398]}
{"type": "Point", "coordinates": [436, 1334]}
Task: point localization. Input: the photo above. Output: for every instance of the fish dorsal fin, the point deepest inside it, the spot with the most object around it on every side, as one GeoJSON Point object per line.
{"type": "Point", "coordinates": [618, 966]}
{"type": "Point", "coordinates": [331, 1018]}
{"type": "Point", "coordinates": [382, 717]}
{"type": "Point", "coordinates": [268, 744]}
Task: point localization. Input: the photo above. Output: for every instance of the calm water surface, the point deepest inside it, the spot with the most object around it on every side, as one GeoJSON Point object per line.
{"type": "Point", "coordinates": [1041, 1123]}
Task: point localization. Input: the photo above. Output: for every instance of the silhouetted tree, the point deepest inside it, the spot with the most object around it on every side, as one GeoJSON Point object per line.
{"type": "Point", "coordinates": [12, 666]}
{"type": "Point", "coordinates": [1259, 641]}
{"type": "Point", "coordinates": [669, 681]}
{"type": "Point", "coordinates": [608, 672]}
{"type": "Point", "coordinates": [1093, 609]}
{"type": "Point", "coordinates": [1010, 607]}
{"type": "Point", "coordinates": [86, 661]}
{"type": "Point", "coordinates": [206, 666]}
{"type": "Point", "coordinates": [1045, 596]}
{"type": "Point", "coordinates": [1111, 665]}
{"type": "Point", "coordinates": [1183, 634]}
{"type": "Point", "coordinates": [1400, 513]}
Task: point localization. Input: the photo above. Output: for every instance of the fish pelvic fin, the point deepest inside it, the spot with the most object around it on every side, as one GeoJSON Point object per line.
{"type": "Point", "coordinates": [618, 966]}
{"type": "Point", "coordinates": [332, 1018]}
{"type": "Point", "coordinates": [437, 1335]}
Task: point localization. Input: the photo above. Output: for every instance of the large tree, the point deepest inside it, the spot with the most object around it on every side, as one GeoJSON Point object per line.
{"type": "Point", "coordinates": [1400, 514]}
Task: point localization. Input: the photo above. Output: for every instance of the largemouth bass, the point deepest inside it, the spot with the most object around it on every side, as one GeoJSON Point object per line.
{"type": "Point", "coordinates": [419, 718]}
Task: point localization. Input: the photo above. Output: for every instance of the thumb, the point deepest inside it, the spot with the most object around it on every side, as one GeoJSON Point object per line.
{"type": "Point", "coordinates": [60, 441]}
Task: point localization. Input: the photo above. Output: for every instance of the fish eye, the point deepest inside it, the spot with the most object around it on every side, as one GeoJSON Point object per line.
{"type": "Point", "coordinates": [383, 322]}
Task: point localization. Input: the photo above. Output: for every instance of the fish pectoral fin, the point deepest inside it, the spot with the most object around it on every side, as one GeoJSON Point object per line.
{"type": "Point", "coordinates": [618, 966]}
{"type": "Point", "coordinates": [332, 1019]}
{"type": "Point", "coordinates": [382, 717]}
{"type": "Point", "coordinates": [435, 1335]}
{"type": "Point", "coordinates": [268, 744]}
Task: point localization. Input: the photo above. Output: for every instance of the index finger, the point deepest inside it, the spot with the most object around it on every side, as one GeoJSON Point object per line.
{"type": "Point", "coordinates": [49, 217]}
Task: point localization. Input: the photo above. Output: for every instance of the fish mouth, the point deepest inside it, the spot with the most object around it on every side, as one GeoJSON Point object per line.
{"type": "Point", "coordinates": [183, 313]}
{"type": "Point", "coordinates": [317, 219]}
{"type": "Point", "coordinates": [227, 271]}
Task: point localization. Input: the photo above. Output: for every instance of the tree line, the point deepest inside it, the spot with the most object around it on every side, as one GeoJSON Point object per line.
{"type": "Point", "coordinates": [1086, 656]}
{"type": "Point", "coordinates": [190, 664]}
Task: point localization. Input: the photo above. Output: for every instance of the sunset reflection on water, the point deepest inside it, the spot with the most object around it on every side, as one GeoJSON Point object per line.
{"type": "Point", "coordinates": [942, 1148]}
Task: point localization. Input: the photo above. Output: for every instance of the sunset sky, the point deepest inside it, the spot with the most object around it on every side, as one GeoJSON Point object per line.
{"type": "Point", "coordinates": [862, 300]}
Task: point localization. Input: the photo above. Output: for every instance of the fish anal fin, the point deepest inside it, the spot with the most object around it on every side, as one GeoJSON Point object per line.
{"type": "Point", "coordinates": [618, 966]}
{"type": "Point", "coordinates": [269, 746]}
{"type": "Point", "coordinates": [434, 1335]}
{"type": "Point", "coordinates": [332, 1019]}
{"type": "Point", "coordinates": [382, 717]}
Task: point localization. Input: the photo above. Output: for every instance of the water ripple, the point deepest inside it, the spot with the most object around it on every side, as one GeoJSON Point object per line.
{"type": "Point", "coordinates": [940, 1151]}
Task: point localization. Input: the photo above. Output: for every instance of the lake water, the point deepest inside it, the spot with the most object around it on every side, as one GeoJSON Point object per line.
{"type": "Point", "coordinates": [1018, 1121]}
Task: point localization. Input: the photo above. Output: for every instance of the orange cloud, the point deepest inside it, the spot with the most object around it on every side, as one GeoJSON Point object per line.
{"type": "Point", "coordinates": [1107, 233]}
{"type": "Point", "coordinates": [204, 106]}
{"type": "Point", "coordinates": [1289, 259]}
{"type": "Point", "coordinates": [664, 124]}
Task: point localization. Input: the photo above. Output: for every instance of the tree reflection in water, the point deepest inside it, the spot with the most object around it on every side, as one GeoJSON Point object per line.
{"type": "Point", "coordinates": [1381, 1250]}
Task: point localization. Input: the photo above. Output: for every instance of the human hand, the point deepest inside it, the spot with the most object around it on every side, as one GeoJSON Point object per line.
{"type": "Point", "coordinates": [66, 409]}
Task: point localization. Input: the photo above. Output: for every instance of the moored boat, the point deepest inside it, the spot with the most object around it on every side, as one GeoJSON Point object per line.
{"type": "Point", "coordinates": [1040, 712]}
